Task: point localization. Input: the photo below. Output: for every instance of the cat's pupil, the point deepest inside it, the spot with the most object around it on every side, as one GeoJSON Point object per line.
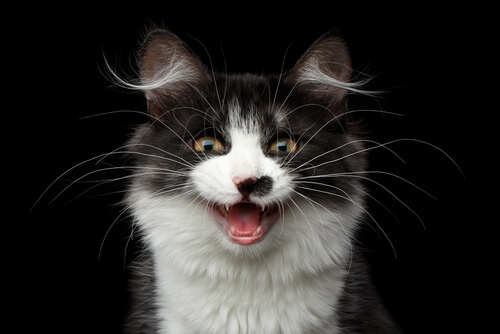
{"type": "Point", "coordinates": [208, 145]}
{"type": "Point", "coordinates": [282, 146]}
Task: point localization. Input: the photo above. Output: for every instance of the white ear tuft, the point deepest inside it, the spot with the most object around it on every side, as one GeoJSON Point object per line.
{"type": "Point", "coordinates": [167, 60]}
{"type": "Point", "coordinates": [326, 67]}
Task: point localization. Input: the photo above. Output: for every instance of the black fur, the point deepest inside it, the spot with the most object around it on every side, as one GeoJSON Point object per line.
{"type": "Point", "coordinates": [143, 313]}
{"type": "Point", "coordinates": [361, 310]}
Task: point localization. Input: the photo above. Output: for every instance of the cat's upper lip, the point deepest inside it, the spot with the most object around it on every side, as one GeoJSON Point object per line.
{"type": "Point", "coordinates": [246, 222]}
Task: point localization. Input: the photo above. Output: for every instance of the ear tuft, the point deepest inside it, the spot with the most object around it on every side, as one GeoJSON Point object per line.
{"type": "Point", "coordinates": [166, 59]}
{"type": "Point", "coordinates": [326, 67]}
{"type": "Point", "coordinates": [168, 66]}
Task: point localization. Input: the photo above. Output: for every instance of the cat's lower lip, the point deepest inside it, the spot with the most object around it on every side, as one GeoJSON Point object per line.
{"type": "Point", "coordinates": [266, 215]}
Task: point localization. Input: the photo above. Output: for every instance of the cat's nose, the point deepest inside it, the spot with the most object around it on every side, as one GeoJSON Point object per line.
{"type": "Point", "coordinates": [253, 185]}
{"type": "Point", "coordinates": [245, 185]}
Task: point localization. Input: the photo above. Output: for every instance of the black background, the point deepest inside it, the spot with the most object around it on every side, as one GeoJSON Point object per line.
{"type": "Point", "coordinates": [431, 62]}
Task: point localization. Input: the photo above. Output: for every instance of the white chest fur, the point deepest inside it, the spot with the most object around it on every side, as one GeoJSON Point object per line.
{"type": "Point", "coordinates": [248, 303]}
{"type": "Point", "coordinates": [291, 287]}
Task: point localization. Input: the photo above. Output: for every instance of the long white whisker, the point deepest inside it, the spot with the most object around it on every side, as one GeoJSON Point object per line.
{"type": "Point", "coordinates": [133, 227]}
{"type": "Point", "coordinates": [180, 160]}
{"type": "Point", "coordinates": [376, 201]}
{"type": "Point", "coordinates": [211, 69]}
{"type": "Point", "coordinates": [281, 208]}
{"type": "Point", "coordinates": [356, 174]}
{"type": "Point", "coordinates": [62, 175]}
{"type": "Point", "coordinates": [308, 222]}
{"type": "Point", "coordinates": [366, 212]}
{"type": "Point", "coordinates": [348, 237]}
{"type": "Point", "coordinates": [279, 78]}
{"type": "Point", "coordinates": [352, 175]}
{"type": "Point", "coordinates": [162, 191]}
{"type": "Point", "coordinates": [160, 170]}
{"type": "Point", "coordinates": [286, 98]}
{"type": "Point", "coordinates": [123, 211]}
{"type": "Point", "coordinates": [117, 179]}
{"type": "Point", "coordinates": [378, 145]}
{"type": "Point", "coordinates": [346, 197]}
{"type": "Point", "coordinates": [155, 120]}
{"type": "Point", "coordinates": [285, 161]}
{"type": "Point", "coordinates": [331, 120]}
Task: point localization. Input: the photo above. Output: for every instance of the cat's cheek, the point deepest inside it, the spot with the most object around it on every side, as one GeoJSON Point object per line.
{"type": "Point", "coordinates": [212, 182]}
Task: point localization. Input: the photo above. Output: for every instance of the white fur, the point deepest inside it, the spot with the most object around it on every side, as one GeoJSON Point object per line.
{"type": "Point", "coordinates": [213, 179]}
{"type": "Point", "coordinates": [312, 71]}
{"type": "Point", "coordinates": [289, 282]}
{"type": "Point", "coordinates": [178, 69]}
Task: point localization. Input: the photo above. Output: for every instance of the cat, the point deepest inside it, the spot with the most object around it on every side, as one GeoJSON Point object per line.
{"type": "Point", "coordinates": [247, 195]}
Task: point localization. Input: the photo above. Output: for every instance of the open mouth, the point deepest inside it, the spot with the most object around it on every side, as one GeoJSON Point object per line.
{"type": "Point", "coordinates": [246, 223]}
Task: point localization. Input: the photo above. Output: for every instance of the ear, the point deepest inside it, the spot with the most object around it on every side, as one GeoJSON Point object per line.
{"type": "Point", "coordinates": [169, 70]}
{"type": "Point", "coordinates": [325, 68]}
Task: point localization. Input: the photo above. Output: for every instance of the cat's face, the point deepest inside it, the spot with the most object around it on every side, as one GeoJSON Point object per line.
{"type": "Point", "coordinates": [246, 162]}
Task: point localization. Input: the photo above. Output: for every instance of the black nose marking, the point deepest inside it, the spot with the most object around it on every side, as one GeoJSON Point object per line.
{"type": "Point", "coordinates": [256, 186]}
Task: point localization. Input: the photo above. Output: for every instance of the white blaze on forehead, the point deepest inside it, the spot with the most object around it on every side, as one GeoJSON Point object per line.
{"type": "Point", "coordinates": [246, 154]}
{"type": "Point", "coordinates": [248, 124]}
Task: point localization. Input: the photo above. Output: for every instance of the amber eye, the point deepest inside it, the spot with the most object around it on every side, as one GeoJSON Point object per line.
{"type": "Point", "coordinates": [207, 144]}
{"type": "Point", "coordinates": [283, 145]}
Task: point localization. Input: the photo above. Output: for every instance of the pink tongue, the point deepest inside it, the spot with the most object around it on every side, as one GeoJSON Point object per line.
{"type": "Point", "coordinates": [244, 217]}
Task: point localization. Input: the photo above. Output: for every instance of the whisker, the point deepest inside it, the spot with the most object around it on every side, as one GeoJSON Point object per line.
{"type": "Point", "coordinates": [281, 208]}
{"type": "Point", "coordinates": [311, 203]}
{"type": "Point", "coordinates": [354, 175]}
{"type": "Point", "coordinates": [123, 211]}
{"type": "Point", "coordinates": [64, 174]}
{"type": "Point", "coordinates": [160, 170]}
{"type": "Point", "coordinates": [376, 201]}
{"type": "Point", "coordinates": [280, 77]}
{"type": "Point", "coordinates": [180, 160]}
{"type": "Point", "coordinates": [127, 208]}
{"type": "Point", "coordinates": [434, 147]}
{"type": "Point", "coordinates": [348, 237]}
{"type": "Point", "coordinates": [367, 213]}
{"type": "Point", "coordinates": [133, 227]}
{"type": "Point", "coordinates": [156, 120]}
{"type": "Point", "coordinates": [211, 69]}
{"type": "Point", "coordinates": [225, 76]}
{"type": "Point", "coordinates": [109, 113]}
{"type": "Point", "coordinates": [164, 191]}
{"type": "Point", "coordinates": [347, 197]}
{"type": "Point", "coordinates": [309, 223]}
{"type": "Point", "coordinates": [347, 174]}
{"type": "Point", "coordinates": [333, 119]}
{"type": "Point", "coordinates": [378, 145]}
{"type": "Point", "coordinates": [285, 161]}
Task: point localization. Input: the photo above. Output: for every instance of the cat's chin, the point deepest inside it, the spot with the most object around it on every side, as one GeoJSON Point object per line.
{"type": "Point", "coordinates": [246, 223]}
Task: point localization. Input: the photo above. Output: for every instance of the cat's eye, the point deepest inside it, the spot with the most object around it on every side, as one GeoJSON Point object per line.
{"type": "Point", "coordinates": [207, 144]}
{"type": "Point", "coordinates": [283, 145]}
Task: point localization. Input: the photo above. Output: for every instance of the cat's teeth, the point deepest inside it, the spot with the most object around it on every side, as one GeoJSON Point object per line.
{"type": "Point", "coordinates": [224, 210]}
{"type": "Point", "coordinates": [233, 229]}
{"type": "Point", "coordinates": [265, 211]}
{"type": "Point", "coordinates": [257, 231]}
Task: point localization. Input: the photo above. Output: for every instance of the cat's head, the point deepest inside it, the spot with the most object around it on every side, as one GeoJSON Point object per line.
{"type": "Point", "coordinates": [245, 163]}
